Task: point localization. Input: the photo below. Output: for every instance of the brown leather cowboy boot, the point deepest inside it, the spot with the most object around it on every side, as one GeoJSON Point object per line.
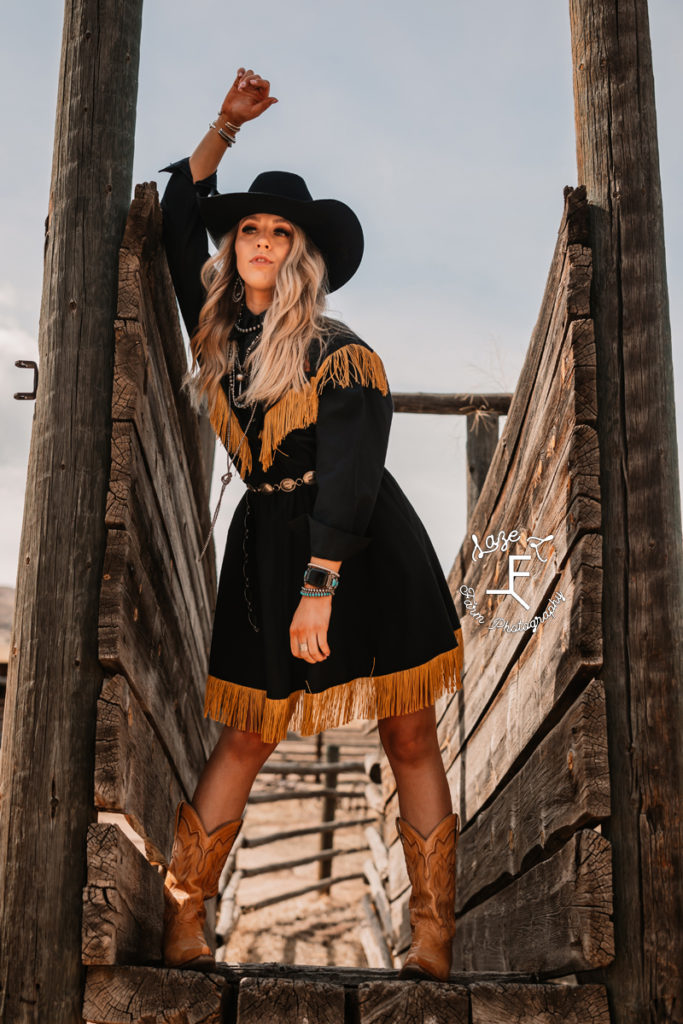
{"type": "Point", "coordinates": [431, 869]}
{"type": "Point", "coordinates": [192, 877]}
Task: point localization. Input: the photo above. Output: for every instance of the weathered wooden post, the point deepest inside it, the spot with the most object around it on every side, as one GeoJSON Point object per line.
{"type": "Point", "coordinates": [482, 438]}
{"type": "Point", "coordinates": [54, 678]}
{"type": "Point", "coordinates": [616, 137]}
{"type": "Point", "coordinates": [329, 812]}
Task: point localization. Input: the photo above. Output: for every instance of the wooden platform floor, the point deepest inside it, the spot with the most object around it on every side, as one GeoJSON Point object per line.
{"type": "Point", "coordinates": [298, 994]}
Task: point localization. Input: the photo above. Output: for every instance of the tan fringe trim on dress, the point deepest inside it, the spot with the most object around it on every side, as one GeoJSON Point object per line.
{"type": "Point", "coordinates": [368, 697]}
{"type": "Point", "coordinates": [296, 410]}
{"type": "Point", "coordinates": [219, 422]}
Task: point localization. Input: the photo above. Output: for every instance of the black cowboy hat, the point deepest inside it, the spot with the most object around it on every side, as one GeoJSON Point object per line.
{"type": "Point", "coordinates": [331, 224]}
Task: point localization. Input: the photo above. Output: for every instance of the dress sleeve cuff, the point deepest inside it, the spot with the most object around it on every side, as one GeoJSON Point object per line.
{"type": "Point", "coordinates": [204, 186]}
{"type": "Point", "coordinates": [329, 542]}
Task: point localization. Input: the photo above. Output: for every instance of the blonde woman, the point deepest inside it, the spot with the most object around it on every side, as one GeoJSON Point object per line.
{"type": "Point", "coordinates": [331, 603]}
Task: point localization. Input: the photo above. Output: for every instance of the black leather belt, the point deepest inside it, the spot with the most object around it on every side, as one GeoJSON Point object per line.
{"type": "Point", "coordinates": [288, 484]}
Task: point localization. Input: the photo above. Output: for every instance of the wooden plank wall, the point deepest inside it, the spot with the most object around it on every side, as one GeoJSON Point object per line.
{"type": "Point", "coordinates": [524, 742]}
{"type": "Point", "coordinates": [156, 609]}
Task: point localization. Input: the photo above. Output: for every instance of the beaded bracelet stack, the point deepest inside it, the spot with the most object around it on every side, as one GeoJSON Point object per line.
{"type": "Point", "coordinates": [324, 581]}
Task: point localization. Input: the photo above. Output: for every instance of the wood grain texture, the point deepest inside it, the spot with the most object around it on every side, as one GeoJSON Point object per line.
{"type": "Point", "coordinates": [294, 994]}
{"type": "Point", "coordinates": [352, 977]}
{"type": "Point", "coordinates": [380, 855]}
{"type": "Point", "coordinates": [346, 977]}
{"type": "Point", "coordinates": [553, 663]}
{"type": "Point", "coordinates": [54, 678]}
{"type": "Point", "coordinates": [379, 895]}
{"type": "Point", "coordinates": [544, 479]}
{"type": "Point", "coordinates": [146, 296]}
{"type": "Point", "coordinates": [228, 909]}
{"type": "Point", "coordinates": [133, 774]}
{"type": "Point", "coordinates": [157, 510]}
{"type": "Point", "coordinates": [152, 995]}
{"type": "Point", "coordinates": [141, 379]}
{"type": "Point", "coordinates": [137, 504]}
{"type": "Point", "coordinates": [539, 1004]}
{"type": "Point", "coordinates": [524, 743]}
{"type": "Point", "coordinates": [481, 441]}
{"type": "Point", "coordinates": [535, 691]}
{"type": "Point", "coordinates": [274, 1001]}
{"type": "Point", "coordinates": [156, 603]}
{"type": "Point", "coordinates": [373, 936]}
{"type": "Point", "coordinates": [556, 918]}
{"type": "Point", "coordinates": [136, 638]}
{"type": "Point", "coordinates": [563, 786]}
{"type": "Point", "coordinates": [450, 404]}
{"type": "Point", "coordinates": [122, 901]}
{"type": "Point", "coordinates": [423, 1002]}
{"type": "Point", "coordinates": [553, 314]}
{"type": "Point", "coordinates": [552, 476]}
{"type": "Point", "coordinates": [617, 157]}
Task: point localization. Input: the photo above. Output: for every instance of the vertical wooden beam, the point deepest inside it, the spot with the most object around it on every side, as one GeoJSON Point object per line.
{"type": "Point", "coordinates": [54, 678]}
{"type": "Point", "coordinates": [616, 139]}
{"type": "Point", "coordinates": [329, 812]}
{"type": "Point", "coordinates": [482, 438]}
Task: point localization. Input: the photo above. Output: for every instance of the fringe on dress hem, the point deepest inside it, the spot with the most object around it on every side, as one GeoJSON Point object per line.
{"type": "Point", "coordinates": [396, 693]}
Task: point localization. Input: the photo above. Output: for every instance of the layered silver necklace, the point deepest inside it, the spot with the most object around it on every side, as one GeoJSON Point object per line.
{"type": "Point", "coordinates": [237, 375]}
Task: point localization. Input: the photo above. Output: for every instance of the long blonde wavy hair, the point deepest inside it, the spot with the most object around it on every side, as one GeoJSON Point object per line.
{"type": "Point", "coordinates": [294, 318]}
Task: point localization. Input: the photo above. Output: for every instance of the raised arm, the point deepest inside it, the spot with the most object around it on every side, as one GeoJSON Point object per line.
{"type": "Point", "coordinates": [184, 234]}
{"type": "Point", "coordinates": [248, 97]}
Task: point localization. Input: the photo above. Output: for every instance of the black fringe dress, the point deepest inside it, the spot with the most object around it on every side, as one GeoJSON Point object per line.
{"type": "Point", "coordinates": [394, 635]}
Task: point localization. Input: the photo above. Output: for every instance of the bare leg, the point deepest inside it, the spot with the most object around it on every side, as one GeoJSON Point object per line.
{"type": "Point", "coordinates": [412, 747]}
{"type": "Point", "coordinates": [228, 775]}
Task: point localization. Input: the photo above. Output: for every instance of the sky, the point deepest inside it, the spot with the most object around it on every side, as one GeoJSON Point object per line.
{"type": "Point", "coordinates": [448, 127]}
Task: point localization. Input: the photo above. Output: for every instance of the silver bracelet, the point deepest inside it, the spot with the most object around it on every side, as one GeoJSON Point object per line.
{"type": "Point", "coordinates": [228, 124]}
{"type": "Point", "coordinates": [230, 139]}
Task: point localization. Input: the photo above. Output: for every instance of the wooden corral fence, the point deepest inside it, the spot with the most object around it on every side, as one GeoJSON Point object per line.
{"type": "Point", "coordinates": [525, 750]}
{"type": "Point", "coordinates": [525, 741]}
{"type": "Point", "coordinates": [156, 608]}
{"type": "Point", "coordinates": [291, 773]}
{"type": "Point", "coordinates": [563, 749]}
{"type": "Point", "coordinates": [155, 612]}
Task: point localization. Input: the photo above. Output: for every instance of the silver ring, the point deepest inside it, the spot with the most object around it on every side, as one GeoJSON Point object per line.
{"type": "Point", "coordinates": [303, 647]}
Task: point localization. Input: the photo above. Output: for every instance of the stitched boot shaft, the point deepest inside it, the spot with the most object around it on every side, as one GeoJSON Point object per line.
{"type": "Point", "coordinates": [431, 869]}
{"type": "Point", "coordinates": [197, 860]}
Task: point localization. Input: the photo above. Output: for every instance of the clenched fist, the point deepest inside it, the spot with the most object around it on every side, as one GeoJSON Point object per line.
{"type": "Point", "coordinates": [248, 96]}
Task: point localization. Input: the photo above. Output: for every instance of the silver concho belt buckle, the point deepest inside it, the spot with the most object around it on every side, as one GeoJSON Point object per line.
{"type": "Point", "coordinates": [289, 483]}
